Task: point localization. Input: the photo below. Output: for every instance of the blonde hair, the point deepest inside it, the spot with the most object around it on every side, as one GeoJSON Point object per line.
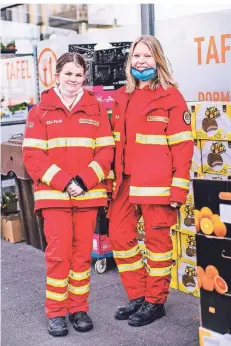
{"type": "Point", "coordinates": [163, 76]}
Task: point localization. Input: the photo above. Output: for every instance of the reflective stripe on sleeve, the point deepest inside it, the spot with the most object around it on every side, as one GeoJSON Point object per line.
{"type": "Point", "coordinates": [149, 191]}
{"type": "Point", "coordinates": [98, 170]}
{"type": "Point", "coordinates": [182, 183]}
{"type": "Point", "coordinates": [116, 136]}
{"type": "Point", "coordinates": [50, 173]}
{"type": "Point", "coordinates": [180, 137]}
{"type": "Point", "coordinates": [35, 143]}
{"type": "Point", "coordinates": [103, 141]}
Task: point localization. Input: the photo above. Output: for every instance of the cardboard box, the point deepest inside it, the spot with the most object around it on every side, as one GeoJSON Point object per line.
{"type": "Point", "coordinates": [196, 166]}
{"type": "Point", "coordinates": [12, 228]}
{"type": "Point", "coordinates": [208, 337]}
{"type": "Point", "coordinates": [187, 278]}
{"type": "Point", "coordinates": [214, 194]}
{"type": "Point", "coordinates": [215, 300]}
{"type": "Point", "coordinates": [193, 108]}
{"type": "Point", "coordinates": [213, 121]}
{"type": "Point", "coordinates": [188, 246]}
{"type": "Point", "coordinates": [216, 157]}
{"type": "Point", "coordinates": [174, 274]}
{"type": "Point", "coordinates": [215, 252]}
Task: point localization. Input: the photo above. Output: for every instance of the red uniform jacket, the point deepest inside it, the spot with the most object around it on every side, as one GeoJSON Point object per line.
{"type": "Point", "coordinates": [60, 144]}
{"type": "Point", "coordinates": [163, 147]}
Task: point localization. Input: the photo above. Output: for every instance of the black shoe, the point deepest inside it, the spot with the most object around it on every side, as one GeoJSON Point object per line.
{"type": "Point", "coordinates": [126, 311]}
{"type": "Point", "coordinates": [146, 314]}
{"type": "Point", "coordinates": [57, 326]}
{"type": "Point", "coordinates": [81, 321]}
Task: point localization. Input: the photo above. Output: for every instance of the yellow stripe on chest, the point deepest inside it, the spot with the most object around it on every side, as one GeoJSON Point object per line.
{"type": "Point", "coordinates": [88, 121]}
{"type": "Point", "coordinates": [157, 118]}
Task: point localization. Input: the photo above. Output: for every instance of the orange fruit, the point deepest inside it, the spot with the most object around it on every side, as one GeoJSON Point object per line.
{"type": "Point", "coordinates": [220, 285]}
{"type": "Point", "coordinates": [200, 271]}
{"type": "Point", "coordinates": [197, 217]}
{"type": "Point", "coordinates": [220, 229]}
{"type": "Point", "coordinates": [215, 218]}
{"type": "Point", "coordinates": [208, 283]}
{"type": "Point", "coordinates": [206, 212]}
{"type": "Point", "coordinates": [211, 272]}
{"type": "Point", "coordinates": [206, 226]}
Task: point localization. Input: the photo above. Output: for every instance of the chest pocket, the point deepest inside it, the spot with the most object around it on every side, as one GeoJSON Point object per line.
{"type": "Point", "coordinates": [156, 122]}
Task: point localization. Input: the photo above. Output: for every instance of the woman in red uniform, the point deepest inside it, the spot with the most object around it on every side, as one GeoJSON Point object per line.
{"type": "Point", "coordinates": [154, 147]}
{"type": "Point", "coordinates": [68, 150]}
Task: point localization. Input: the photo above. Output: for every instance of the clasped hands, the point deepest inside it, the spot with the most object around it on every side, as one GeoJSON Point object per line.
{"type": "Point", "coordinates": [74, 189]}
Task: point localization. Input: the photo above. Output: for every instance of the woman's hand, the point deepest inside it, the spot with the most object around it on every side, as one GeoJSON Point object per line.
{"type": "Point", "coordinates": [175, 204]}
{"type": "Point", "coordinates": [75, 190]}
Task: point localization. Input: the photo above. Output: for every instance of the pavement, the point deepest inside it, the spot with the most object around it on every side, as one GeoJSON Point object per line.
{"type": "Point", "coordinates": [23, 322]}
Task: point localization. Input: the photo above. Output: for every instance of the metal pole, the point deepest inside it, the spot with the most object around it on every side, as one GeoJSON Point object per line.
{"type": "Point", "coordinates": [147, 19]}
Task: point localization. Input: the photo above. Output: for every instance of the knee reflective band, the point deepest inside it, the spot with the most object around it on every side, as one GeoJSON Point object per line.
{"type": "Point", "coordinates": [130, 266]}
{"type": "Point", "coordinates": [128, 253]}
{"type": "Point", "coordinates": [80, 276]}
{"type": "Point", "coordinates": [158, 271]}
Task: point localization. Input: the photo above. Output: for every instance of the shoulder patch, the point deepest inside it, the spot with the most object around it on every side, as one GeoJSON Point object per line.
{"type": "Point", "coordinates": [30, 124]}
{"type": "Point", "coordinates": [187, 117]}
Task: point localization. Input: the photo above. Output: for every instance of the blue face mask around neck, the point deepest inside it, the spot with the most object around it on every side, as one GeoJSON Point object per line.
{"type": "Point", "coordinates": [145, 74]}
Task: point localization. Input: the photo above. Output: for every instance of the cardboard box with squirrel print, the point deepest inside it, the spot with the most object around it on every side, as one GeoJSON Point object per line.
{"type": "Point", "coordinates": [187, 278]}
{"type": "Point", "coordinates": [213, 121]}
{"type": "Point", "coordinates": [187, 246]}
{"type": "Point", "coordinates": [174, 274]}
{"type": "Point", "coordinates": [216, 157]}
{"type": "Point", "coordinates": [186, 212]}
{"type": "Point", "coordinates": [196, 166]}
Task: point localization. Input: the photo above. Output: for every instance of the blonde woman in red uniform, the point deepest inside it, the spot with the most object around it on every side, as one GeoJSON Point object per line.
{"type": "Point", "coordinates": [68, 150]}
{"type": "Point", "coordinates": [154, 147]}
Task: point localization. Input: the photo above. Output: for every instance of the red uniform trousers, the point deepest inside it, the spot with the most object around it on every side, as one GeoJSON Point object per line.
{"type": "Point", "coordinates": [150, 279]}
{"type": "Point", "coordinates": [69, 234]}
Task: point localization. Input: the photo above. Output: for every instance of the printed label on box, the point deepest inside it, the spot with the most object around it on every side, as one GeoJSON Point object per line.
{"type": "Point", "coordinates": [196, 166]}
{"type": "Point", "coordinates": [188, 246]}
{"type": "Point", "coordinates": [213, 121]}
{"type": "Point", "coordinates": [216, 157]}
{"type": "Point", "coordinates": [187, 278]}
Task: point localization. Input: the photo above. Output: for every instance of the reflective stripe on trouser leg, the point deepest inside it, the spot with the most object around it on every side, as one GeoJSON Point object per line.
{"type": "Point", "coordinates": [123, 236]}
{"type": "Point", "coordinates": [57, 258]}
{"type": "Point", "coordinates": [158, 251]}
{"type": "Point", "coordinates": [84, 222]}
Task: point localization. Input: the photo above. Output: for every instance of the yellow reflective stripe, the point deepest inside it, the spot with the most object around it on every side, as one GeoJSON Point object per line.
{"type": "Point", "coordinates": [151, 139]}
{"type": "Point", "coordinates": [101, 193]}
{"type": "Point", "coordinates": [98, 170]}
{"type": "Point", "coordinates": [179, 182]}
{"type": "Point", "coordinates": [103, 141]}
{"type": "Point", "coordinates": [111, 175]}
{"type": "Point", "coordinates": [50, 173]}
{"type": "Point", "coordinates": [64, 196]}
{"type": "Point", "coordinates": [116, 136]}
{"type": "Point", "coordinates": [158, 271]}
{"type": "Point", "coordinates": [71, 142]}
{"type": "Point", "coordinates": [128, 253]}
{"type": "Point", "coordinates": [79, 290]}
{"type": "Point", "coordinates": [56, 296]}
{"type": "Point", "coordinates": [149, 191]}
{"type": "Point", "coordinates": [57, 282]}
{"type": "Point", "coordinates": [35, 143]}
{"type": "Point", "coordinates": [180, 137]}
{"type": "Point", "coordinates": [158, 257]}
{"type": "Point", "coordinates": [80, 276]}
{"type": "Point", "coordinates": [130, 266]}
{"type": "Point", "coordinates": [52, 194]}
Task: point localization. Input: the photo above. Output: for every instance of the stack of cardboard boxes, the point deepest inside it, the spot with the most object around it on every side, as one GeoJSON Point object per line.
{"type": "Point", "coordinates": [211, 126]}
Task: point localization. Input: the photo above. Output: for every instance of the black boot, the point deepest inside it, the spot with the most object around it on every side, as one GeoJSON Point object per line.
{"type": "Point", "coordinates": [126, 311]}
{"type": "Point", "coordinates": [146, 314]}
{"type": "Point", "coordinates": [57, 326]}
{"type": "Point", "coordinates": [81, 321]}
